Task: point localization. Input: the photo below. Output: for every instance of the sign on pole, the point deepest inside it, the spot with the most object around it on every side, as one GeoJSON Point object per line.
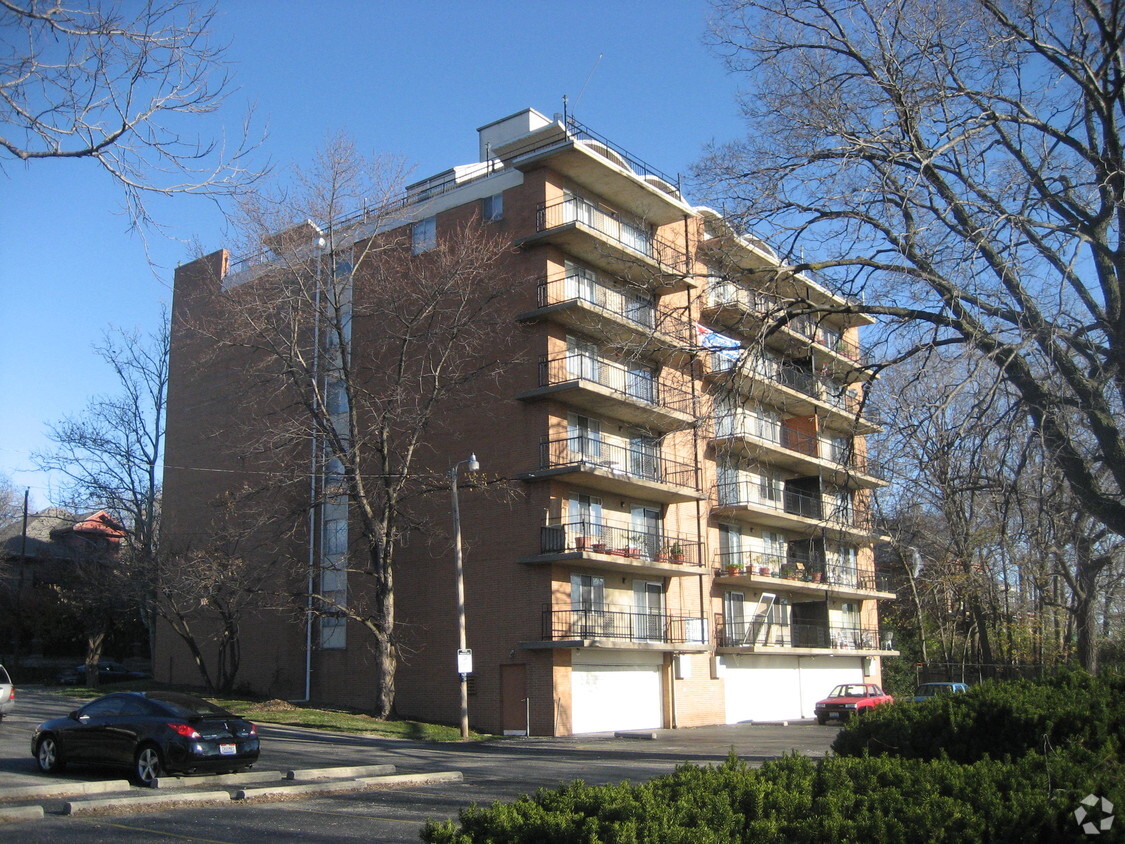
{"type": "Point", "coordinates": [465, 661]}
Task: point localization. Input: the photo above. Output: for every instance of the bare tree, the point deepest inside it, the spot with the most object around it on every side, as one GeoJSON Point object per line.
{"type": "Point", "coordinates": [358, 334]}
{"type": "Point", "coordinates": [205, 589]}
{"type": "Point", "coordinates": [11, 503]}
{"type": "Point", "coordinates": [960, 167]}
{"type": "Point", "coordinates": [111, 454]}
{"type": "Point", "coordinates": [123, 85]}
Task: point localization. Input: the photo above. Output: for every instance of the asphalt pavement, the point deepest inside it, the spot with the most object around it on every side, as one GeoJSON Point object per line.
{"type": "Point", "coordinates": [497, 769]}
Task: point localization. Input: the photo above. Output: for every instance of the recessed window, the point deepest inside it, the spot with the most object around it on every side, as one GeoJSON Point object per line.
{"type": "Point", "coordinates": [424, 235]}
{"type": "Point", "coordinates": [492, 208]}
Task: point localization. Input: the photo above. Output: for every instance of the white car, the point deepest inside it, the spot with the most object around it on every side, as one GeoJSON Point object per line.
{"type": "Point", "coordinates": [7, 693]}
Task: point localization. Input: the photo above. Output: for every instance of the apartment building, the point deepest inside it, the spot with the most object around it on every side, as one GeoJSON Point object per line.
{"type": "Point", "coordinates": [689, 537]}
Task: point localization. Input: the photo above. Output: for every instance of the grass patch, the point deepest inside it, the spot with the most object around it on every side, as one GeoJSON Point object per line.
{"type": "Point", "coordinates": [293, 715]}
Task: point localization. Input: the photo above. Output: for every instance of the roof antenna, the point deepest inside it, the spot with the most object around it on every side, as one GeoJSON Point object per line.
{"type": "Point", "coordinates": [588, 78]}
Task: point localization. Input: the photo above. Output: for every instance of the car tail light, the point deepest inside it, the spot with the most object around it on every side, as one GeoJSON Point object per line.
{"type": "Point", "coordinates": [253, 729]}
{"type": "Point", "coordinates": [185, 730]}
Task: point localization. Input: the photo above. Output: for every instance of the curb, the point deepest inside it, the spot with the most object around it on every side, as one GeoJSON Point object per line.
{"type": "Point", "coordinates": [216, 779]}
{"type": "Point", "coordinates": [128, 804]}
{"type": "Point", "coordinates": [63, 789]}
{"type": "Point", "coordinates": [353, 771]}
{"type": "Point", "coordinates": [19, 814]}
{"type": "Point", "coordinates": [273, 792]}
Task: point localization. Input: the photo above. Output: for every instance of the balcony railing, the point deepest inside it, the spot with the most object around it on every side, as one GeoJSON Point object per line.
{"type": "Point", "coordinates": [740, 361]}
{"type": "Point", "coordinates": [636, 308]}
{"type": "Point", "coordinates": [620, 540]}
{"type": "Point", "coordinates": [633, 462]}
{"type": "Point", "coordinates": [602, 621]}
{"type": "Point", "coordinates": [799, 442]}
{"type": "Point", "coordinates": [800, 568]}
{"type": "Point", "coordinates": [791, 502]}
{"type": "Point", "coordinates": [728, 294]}
{"type": "Point", "coordinates": [762, 633]}
{"type": "Point", "coordinates": [631, 383]}
{"type": "Point", "coordinates": [626, 232]}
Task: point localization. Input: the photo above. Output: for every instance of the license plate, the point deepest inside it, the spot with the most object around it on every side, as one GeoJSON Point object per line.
{"type": "Point", "coordinates": [227, 749]}
{"type": "Point", "coordinates": [833, 714]}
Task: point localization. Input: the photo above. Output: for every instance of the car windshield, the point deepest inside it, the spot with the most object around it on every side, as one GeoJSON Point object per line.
{"type": "Point", "coordinates": [849, 690]}
{"type": "Point", "coordinates": [4, 678]}
{"type": "Point", "coordinates": [188, 706]}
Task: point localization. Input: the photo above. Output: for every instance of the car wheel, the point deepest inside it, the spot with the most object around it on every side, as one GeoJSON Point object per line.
{"type": "Point", "coordinates": [48, 756]}
{"type": "Point", "coordinates": [147, 765]}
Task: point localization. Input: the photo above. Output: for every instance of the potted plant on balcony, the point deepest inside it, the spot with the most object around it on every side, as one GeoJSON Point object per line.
{"type": "Point", "coordinates": [789, 571]}
{"type": "Point", "coordinates": [676, 552]}
{"type": "Point", "coordinates": [735, 569]}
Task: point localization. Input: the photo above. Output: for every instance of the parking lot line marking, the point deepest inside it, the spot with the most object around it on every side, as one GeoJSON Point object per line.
{"type": "Point", "coordinates": [160, 832]}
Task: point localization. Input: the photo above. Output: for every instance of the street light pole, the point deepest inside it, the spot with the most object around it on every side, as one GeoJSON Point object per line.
{"type": "Point", "coordinates": [473, 466]}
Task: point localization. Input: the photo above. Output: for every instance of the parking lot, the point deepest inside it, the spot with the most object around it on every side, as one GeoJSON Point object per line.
{"type": "Point", "coordinates": [500, 769]}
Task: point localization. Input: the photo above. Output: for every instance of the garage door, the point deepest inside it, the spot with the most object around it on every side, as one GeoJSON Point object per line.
{"type": "Point", "coordinates": [782, 688]}
{"type": "Point", "coordinates": [820, 673]}
{"type": "Point", "coordinates": [615, 692]}
{"type": "Point", "coordinates": [761, 688]}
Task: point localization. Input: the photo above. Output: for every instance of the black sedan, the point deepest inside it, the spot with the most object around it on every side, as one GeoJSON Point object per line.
{"type": "Point", "coordinates": [152, 733]}
{"type": "Point", "coordinates": [108, 672]}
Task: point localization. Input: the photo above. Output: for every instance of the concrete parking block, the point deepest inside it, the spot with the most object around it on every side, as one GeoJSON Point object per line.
{"type": "Point", "coordinates": [62, 789]}
{"type": "Point", "coordinates": [412, 779]}
{"type": "Point", "coordinates": [122, 805]}
{"type": "Point", "coordinates": [313, 789]}
{"type": "Point", "coordinates": [340, 772]}
{"type": "Point", "coordinates": [217, 779]}
{"type": "Point", "coordinates": [19, 814]}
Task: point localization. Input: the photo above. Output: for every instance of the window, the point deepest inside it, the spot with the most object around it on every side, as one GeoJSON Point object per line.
{"type": "Point", "coordinates": [492, 208]}
{"type": "Point", "coordinates": [582, 359]}
{"type": "Point", "coordinates": [641, 383]}
{"type": "Point", "coordinates": [424, 235]}
{"type": "Point", "coordinates": [648, 609]}
{"type": "Point", "coordinates": [335, 537]}
{"type": "Point", "coordinates": [584, 438]}
{"type": "Point", "coordinates": [769, 488]}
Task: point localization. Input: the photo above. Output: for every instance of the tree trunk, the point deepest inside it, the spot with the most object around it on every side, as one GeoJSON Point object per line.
{"type": "Point", "coordinates": [1085, 617]}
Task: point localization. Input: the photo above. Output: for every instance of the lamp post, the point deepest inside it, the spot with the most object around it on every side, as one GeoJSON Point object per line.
{"type": "Point", "coordinates": [464, 658]}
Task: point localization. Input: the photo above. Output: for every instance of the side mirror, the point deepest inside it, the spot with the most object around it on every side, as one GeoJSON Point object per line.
{"type": "Point", "coordinates": [73, 715]}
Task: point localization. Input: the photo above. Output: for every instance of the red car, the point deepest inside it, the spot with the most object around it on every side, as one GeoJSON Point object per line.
{"type": "Point", "coordinates": [849, 699]}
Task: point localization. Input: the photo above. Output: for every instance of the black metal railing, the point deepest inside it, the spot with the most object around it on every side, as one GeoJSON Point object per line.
{"type": "Point", "coordinates": [644, 463]}
{"type": "Point", "coordinates": [628, 382]}
{"type": "Point", "coordinates": [627, 232]}
{"type": "Point", "coordinates": [768, 305]}
{"type": "Point", "coordinates": [792, 502]}
{"type": "Point", "coordinates": [621, 541]}
{"type": "Point", "coordinates": [733, 425]}
{"type": "Point", "coordinates": [603, 621]}
{"type": "Point", "coordinates": [761, 632]}
{"type": "Point", "coordinates": [637, 308]}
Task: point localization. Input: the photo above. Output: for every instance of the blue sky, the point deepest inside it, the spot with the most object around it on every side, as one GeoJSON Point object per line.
{"type": "Point", "coordinates": [412, 79]}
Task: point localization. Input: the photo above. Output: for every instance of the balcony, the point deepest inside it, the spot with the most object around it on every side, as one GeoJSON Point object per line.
{"type": "Point", "coordinates": [632, 394]}
{"type": "Point", "coordinates": [792, 509]}
{"type": "Point", "coordinates": [760, 634]}
{"type": "Point", "coordinates": [623, 245]}
{"type": "Point", "coordinates": [795, 575]}
{"type": "Point", "coordinates": [729, 304]}
{"type": "Point", "coordinates": [603, 625]}
{"type": "Point", "coordinates": [639, 471]}
{"type": "Point", "coordinates": [795, 388]}
{"type": "Point", "coordinates": [623, 548]}
{"type": "Point", "coordinates": [798, 451]}
{"type": "Point", "coordinates": [623, 317]}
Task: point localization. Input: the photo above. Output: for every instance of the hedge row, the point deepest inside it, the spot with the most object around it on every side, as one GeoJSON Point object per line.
{"type": "Point", "coordinates": [795, 799]}
{"type": "Point", "coordinates": [997, 719]}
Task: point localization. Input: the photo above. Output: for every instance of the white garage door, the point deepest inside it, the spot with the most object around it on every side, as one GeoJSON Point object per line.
{"type": "Point", "coordinates": [761, 688]}
{"type": "Point", "coordinates": [820, 673]}
{"type": "Point", "coordinates": [783, 688]}
{"type": "Point", "coordinates": [611, 691]}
